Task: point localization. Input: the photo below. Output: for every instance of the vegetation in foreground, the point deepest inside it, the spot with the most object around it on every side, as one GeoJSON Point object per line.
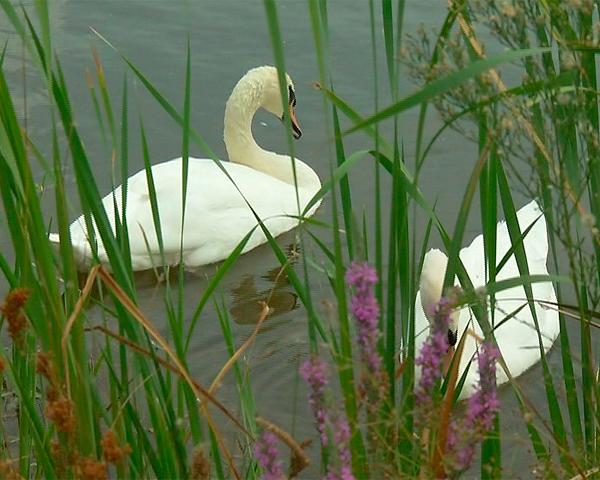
{"type": "Point", "coordinates": [539, 134]}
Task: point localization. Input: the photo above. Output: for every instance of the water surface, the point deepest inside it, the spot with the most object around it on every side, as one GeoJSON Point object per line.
{"type": "Point", "coordinates": [227, 38]}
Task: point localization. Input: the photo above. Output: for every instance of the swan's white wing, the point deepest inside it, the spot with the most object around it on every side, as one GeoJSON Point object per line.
{"type": "Point", "coordinates": [216, 218]}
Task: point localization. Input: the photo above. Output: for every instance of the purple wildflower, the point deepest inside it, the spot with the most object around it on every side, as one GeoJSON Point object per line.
{"type": "Point", "coordinates": [431, 356]}
{"type": "Point", "coordinates": [341, 435]}
{"type": "Point", "coordinates": [482, 407]}
{"type": "Point", "coordinates": [266, 453]}
{"type": "Point", "coordinates": [430, 360]}
{"type": "Point", "coordinates": [361, 277]}
{"type": "Point", "coordinates": [345, 474]}
{"type": "Point", "coordinates": [314, 372]}
{"type": "Point", "coordinates": [484, 404]}
{"type": "Point", "coordinates": [342, 439]}
{"type": "Point", "coordinates": [441, 314]}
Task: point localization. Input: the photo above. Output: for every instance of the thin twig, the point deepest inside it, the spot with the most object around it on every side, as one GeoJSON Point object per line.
{"type": "Point", "coordinates": [73, 317]}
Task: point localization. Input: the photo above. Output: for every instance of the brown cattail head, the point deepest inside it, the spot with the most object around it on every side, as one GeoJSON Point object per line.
{"type": "Point", "coordinates": [60, 458]}
{"type": "Point", "coordinates": [8, 472]}
{"type": "Point", "coordinates": [15, 300]}
{"type": "Point", "coordinates": [12, 309]}
{"type": "Point", "coordinates": [45, 367]}
{"type": "Point", "coordinates": [113, 452]}
{"type": "Point", "coordinates": [91, 469]}
{"type": "Point", "coordinates": [2, 365]}
{"type": "Point", "coordinates": [52, 394]}
{"type": "Point", "coordinates": [200, 465]}
{"type": "Point", "coordinates": [60, 412]}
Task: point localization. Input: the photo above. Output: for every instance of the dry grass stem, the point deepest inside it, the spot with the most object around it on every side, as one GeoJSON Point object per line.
{"type": "Point", "coordinates": [218, 379]}
{"type": "Point", "coordinates": [299, 459]}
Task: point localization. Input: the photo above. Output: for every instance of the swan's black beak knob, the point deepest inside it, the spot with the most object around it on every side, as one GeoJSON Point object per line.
{"type": "Point", "coordinates": [295, 126]}
{"type": "Point", "coordinates": [452, 337]}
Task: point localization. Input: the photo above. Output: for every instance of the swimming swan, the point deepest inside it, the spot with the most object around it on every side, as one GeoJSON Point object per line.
{"type": "Point", "coordinates": [216, 217]}
{"type": "Point", "coordinates": [517, 338]}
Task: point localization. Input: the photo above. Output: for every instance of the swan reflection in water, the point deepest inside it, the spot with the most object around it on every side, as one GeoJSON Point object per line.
{"type": "Point", "coordinates": [274, 290]}
{"type": "Point", "coordinates": [249, 294]}
{"type": "Point", "coordinates": [249, 289]}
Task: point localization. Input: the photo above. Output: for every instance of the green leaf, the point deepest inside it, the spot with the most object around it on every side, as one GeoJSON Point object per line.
{"type": "Point", "coordinates": [443, 85]}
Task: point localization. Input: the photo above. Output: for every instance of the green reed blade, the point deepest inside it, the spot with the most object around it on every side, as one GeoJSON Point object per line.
{"type": "Point", "coordinates": [378, 246]}
{"type": "Point", "coordinates": [345, 193]}
{"type": "Point", "coordinates": [442, 85]}
{"type": "Point", "coordinates": [388, 36]}
{"type": "Point", "coordinates": [152, 193]}
{"type": "Point", "coordinates": [185, 149]}
{"type": "Point", "coordinates": [275, 36]}
{"type": "Point", "coordinates": [216, 454]}
{"type": "Point", "coordinates": [124, 232]}
{"type": "Point", "coordinates": [554, 83]}
{"type": "Point", "coordinates": [244, 386]}
{"type": "Point", "coordinates": [338, 175]}
{"type": "Point", "coordinates": [30, 412]}
{"type": "Point", "coordinates": [345, 108]}
{"type": "Point", "coordinates": [214, 283]}
{"type": "Point", "coordinates": [96, 103]}
{"type": "Point", "coordinates": [106, 102]}
{"type": "Point", "coordinates": [521, 259]}
{"type": "Point", "coordinates": [324, 248]}
{"type": "Point", "coordinates": [388, 324]}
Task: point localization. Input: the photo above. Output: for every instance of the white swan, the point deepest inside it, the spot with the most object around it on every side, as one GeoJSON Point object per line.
{"type": "Point", "coordinates": [517, 338]}
{"type": "Point", "coordinates": [217, 217]}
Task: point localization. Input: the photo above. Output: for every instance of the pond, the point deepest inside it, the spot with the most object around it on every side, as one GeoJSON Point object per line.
{"type": "Point", "coordinates": [227, 38]}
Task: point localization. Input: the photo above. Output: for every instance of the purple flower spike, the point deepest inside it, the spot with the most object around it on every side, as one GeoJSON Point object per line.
{"type": "Point", "coordinates": [430, 360]}
{"type": "Point", "coordinates": [266, 453]}
{"type": "Point", "coordinates": [484, 404]}
{"type": "Point", "coordinates": [361, 276]}
{"type": "Point", "coordinates": [342, 440]}
{"type": "Point", "coordinates": [431, 356]}
{"type": "Point", "coordinates": [341, 435]}
{"type": "Point", "coordinates": [363, 305]}
{"type": "Point", "coordinates": [441, 315]}
{"type": "Point", "coordinates": [314, 372]}
{"type": "Point", "coordinates": [482, 408]}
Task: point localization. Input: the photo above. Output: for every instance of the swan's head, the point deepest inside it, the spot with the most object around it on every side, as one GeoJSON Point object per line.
{"type": "Point", "coordinates": [271, 95]}
{"type": "Point", "coordinates": [431, 286]}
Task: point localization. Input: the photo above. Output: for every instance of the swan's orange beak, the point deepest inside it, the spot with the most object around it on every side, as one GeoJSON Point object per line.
{"type": "Point", "coordinates": [295, 126]}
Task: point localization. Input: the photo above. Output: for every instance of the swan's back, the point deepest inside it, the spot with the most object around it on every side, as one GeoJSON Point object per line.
{"type": "Point", "coordinates": [216, 218]}
{"type": "Point", "coordinates": [517, 338]}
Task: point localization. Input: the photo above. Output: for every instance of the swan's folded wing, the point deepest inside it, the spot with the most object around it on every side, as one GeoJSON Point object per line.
{"type": "Point", "coordinates": [217, 216]}
{"type": "Point", "coordinates": [535, 243]}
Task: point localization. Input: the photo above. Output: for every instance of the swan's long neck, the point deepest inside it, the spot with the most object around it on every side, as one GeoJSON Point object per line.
{"type": "Point", "coordinates": [432, 284]}
{"type": "Point", "coordinates": [432, 280]}
{"type": "Point", "coordinates": [244, 101]}
{"type": "Point", "coordinates": [247, 97]}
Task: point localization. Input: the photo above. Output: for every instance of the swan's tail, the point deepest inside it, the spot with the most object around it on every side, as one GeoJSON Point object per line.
{"type": "Point", "coordinates": [54, 238]}
{"type": "Point", "coordinates": [530, 213]}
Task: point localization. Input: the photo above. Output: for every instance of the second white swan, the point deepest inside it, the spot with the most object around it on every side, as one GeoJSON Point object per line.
{"type": "Point", "coordinates": [217, 216]}
{"type": "Point", "coordinates": [518, 338]}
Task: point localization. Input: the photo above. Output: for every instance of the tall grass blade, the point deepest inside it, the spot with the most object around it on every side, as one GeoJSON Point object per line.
{"type": "Point", "coordinates": [442, 85]}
